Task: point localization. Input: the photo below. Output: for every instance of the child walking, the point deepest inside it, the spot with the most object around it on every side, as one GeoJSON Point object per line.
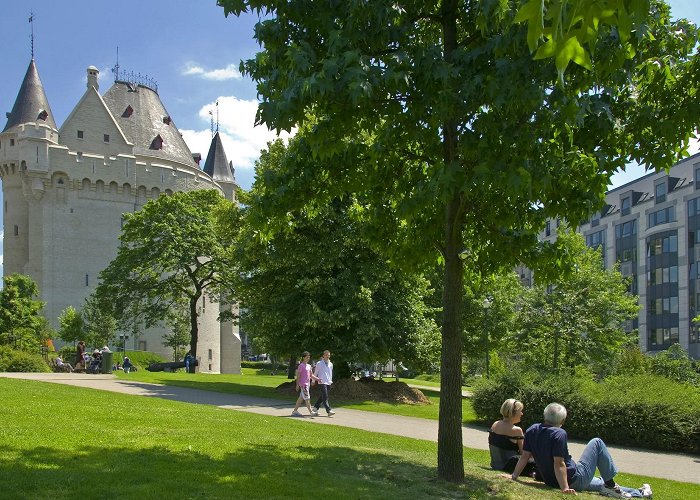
{"type": "Point", "coordinates": [303, 382]}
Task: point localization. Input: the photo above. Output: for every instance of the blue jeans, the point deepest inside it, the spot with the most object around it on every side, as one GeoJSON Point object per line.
{"type": "Point", "coordinates": [596, 455]}
{"type": "Point", "coordinates": [323, 398]}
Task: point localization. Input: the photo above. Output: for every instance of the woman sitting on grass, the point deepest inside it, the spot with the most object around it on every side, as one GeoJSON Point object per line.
{"type": "Point", "coordinates": [506, 439]}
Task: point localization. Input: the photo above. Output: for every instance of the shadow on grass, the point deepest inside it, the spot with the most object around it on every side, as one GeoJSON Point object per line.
{"type": "Point", "coordinates": [252, 472]}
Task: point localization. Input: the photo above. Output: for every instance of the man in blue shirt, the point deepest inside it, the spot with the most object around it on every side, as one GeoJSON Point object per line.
{"type": "Point", "coordinates": [548, 444]}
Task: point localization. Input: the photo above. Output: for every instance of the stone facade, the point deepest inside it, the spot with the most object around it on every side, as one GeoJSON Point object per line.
{"type": "Point", "coordinates": [65, 192]}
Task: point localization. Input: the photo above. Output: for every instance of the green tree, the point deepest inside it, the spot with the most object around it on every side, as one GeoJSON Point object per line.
{"type": "Point", "coordinates": [577, 318]}
{"type": "Point", "coordinates": [172, 251]}
{"type": "Point", "coordinates": [454, 139]}
{"type": "Point", "coordinates": [179, 337]}
{"type": "Point", "coordinates": [490, 316]}
{"type": "Point", "coordinates": [71, 325]}
{"type": "Point", "coordinates": [20, 323]}
{"type": "Point", "coordinates": [99, 326]}
{"type": "Point", "coordinates": [319, 285]}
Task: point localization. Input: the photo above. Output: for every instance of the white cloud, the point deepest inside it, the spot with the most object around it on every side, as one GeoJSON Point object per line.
{"type": "Point", "coordinates": [227, 73]}
{"type": "Point", "coordinates": [242, 141]}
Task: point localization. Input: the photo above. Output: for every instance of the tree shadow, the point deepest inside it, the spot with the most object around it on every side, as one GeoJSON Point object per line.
{"type": "Point", "coordinates": [267, 471]}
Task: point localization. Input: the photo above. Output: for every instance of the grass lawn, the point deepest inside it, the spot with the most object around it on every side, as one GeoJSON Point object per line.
{"type": "Point", "coordinates": [70, 442]}
{"type": "Point", "coordinates": [260, 383]}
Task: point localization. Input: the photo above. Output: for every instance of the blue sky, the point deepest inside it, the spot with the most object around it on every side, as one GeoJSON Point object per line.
{"type": "Point", "coordinates": [187, 46]}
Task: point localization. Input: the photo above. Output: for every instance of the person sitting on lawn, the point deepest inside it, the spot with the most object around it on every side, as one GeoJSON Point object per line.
{"type": "Point", "coordinates": [548, 444]}
{"type": "Point", "coordinates": [506, 439]}
{"type": "Point", "coordinates": [127, 364]}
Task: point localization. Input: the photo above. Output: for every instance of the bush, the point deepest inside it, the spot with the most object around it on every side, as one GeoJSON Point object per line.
{"type": "Point", "coordinates": [646, 411]}
{"type": "Point", "coordinates": [14, 360]}
{"type": "Point", "coordinates": [264, 365]}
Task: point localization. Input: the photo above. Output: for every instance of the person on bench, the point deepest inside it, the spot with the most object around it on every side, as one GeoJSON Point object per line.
{"type": "Point", "coordinates": [61, 365]}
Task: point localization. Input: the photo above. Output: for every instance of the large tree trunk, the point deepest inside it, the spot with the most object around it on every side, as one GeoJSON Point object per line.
{"type": "Point", "coordinates": [450, 451]}
{"type": "Point", "coordinates": [194, 330]}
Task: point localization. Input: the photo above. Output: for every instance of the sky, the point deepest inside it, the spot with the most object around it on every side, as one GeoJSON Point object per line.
{"type": "Point", "coordinates": [188, 47]}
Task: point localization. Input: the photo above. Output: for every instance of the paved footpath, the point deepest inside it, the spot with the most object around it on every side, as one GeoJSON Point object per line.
{"type": "Point", "coordinates": [678, 467]}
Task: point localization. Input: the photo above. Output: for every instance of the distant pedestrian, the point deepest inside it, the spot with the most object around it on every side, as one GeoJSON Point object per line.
{"type": "Point", "coordinates": [80, 356]}
{"type": "Point", "coordinates": [303, 383]}
{"type": "Point", "coordinates": [324, 372]}
{"type": "Point", "coordinates": [127, 364]}
{"type": "Point", "coordinates": [188, 361]}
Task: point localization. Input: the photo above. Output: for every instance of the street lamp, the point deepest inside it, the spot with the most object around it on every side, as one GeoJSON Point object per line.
{"type": "Point", "coordinates": [487, 303]}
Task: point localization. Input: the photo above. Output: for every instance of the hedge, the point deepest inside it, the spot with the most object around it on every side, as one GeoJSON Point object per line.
{"type": "Point", "coordinates": [15, 360]}
{"type": "Point", "coordinates": [644, 411]}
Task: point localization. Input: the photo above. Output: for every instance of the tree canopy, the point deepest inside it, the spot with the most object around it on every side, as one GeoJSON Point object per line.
{"type": "Point", "coordinates": [576, 319]}
{"type": "Point", "coordinates": [319, 285]}
{"type": "Point", "coordinates": [20, 322]}
{"type": "Point", "coordinates": [172, 251]}
{"type": "Point", "coordinates": [455, 140]}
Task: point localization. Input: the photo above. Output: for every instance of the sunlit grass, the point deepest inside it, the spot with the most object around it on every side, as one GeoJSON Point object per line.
{"type": "Point", "coordinates": [61, 442]}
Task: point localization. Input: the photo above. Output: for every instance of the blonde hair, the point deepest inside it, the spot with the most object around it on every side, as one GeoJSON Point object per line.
{"type": "Point", "coordinates": [510, 407]}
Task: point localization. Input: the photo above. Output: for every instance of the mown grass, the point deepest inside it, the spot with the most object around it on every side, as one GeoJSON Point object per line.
{"type": "Point", "coordinates": [260, 383]}
{"type": "Point", "coordinates": [67, 442]}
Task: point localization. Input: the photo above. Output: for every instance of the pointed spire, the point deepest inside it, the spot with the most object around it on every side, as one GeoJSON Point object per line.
{"type": "Point", "coordinates": [217, 166]}
{"type": "Point", "coordinates": [31, 104]}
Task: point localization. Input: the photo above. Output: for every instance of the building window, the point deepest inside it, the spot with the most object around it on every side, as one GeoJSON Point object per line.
{"type": "Point", "coordinates": [660, 192]}
{"type": "Point", "coordinates": [166, 120]}
{"type": "Point", "coordinates": [87, 280]}
{"type": "Point", "coordinates": [697, 178]}
{"type": "Point", "coordinates": [12, 142]}
{"type": "Point", "coordinates": [43, 115]}
{"type": "Point", "coordinates": [79, 157]}
{"type": "Point", "coordinates": [548, 229]}
{"type": "Point", "coordinates": [662, 216]}
{"type": "Point", "coordinates": [81, 135]}
{"type": "Point", "coordinates": [128, 111]}
{"type": "Point", "coordinates": [594, 240]}
{"type": "Point", "coordinates": [142, 345]}
{"type": "Point", "coordinates": [16, 230]}
{"type": "Point", "coordinates": [157, 142]}
{"type": "Point", "coordinates": [626, 205]}
{"type": "Point", "coordinates": [211, 355]}
{"type": "Point", "coordinates": [106, 138]}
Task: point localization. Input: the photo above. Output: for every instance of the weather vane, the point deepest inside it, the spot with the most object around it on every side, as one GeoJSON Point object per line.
{"type": "Point", "coordinates": [31, 36]}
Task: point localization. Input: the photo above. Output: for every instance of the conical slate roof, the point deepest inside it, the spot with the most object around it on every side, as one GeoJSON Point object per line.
{"type": "Point", "coordinates": [145, 122]}
{"type": "Point", "coordinates": [31, 104]}
{"type": "Point", "coordinates": [217, 165]}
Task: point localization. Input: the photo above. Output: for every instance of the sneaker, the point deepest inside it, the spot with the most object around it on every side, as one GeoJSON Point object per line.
{"type": "Point", "coordinates": [614, 492]}
{"type": "Point", "coordinates": [645, 490]}
{"type": "Point", "coordinates": [314, 413]}
{"type": "Point", "coordinates": [296, 414]}
{"type": "Point", "coordinates": [331, 413]}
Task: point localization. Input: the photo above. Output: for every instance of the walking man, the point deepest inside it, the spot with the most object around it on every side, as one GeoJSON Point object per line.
{"type": "Point", "coordinates": [324, 371]}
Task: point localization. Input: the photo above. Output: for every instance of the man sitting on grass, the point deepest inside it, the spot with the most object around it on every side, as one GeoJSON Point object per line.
{"type": "Point", "coordinates": [548, 444]}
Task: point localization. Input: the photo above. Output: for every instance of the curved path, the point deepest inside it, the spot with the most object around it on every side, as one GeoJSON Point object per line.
{"type": "Point", "coordinates": [678, 467]}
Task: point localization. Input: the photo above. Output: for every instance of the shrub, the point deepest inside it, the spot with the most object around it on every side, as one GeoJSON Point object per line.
{"type": "Point", "coordinates": [14, 360]}
{"type": "Point", "coordinates": [645, 411]}
{"type": "Point", "coordinates": [264, 365]}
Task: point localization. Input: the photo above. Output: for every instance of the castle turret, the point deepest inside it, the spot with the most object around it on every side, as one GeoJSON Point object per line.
{"type": "Point", "coordinates": [219, 168]}
{"type": "Point", "coordinates": [31, 105]}
{"type": "Point", "coordinates": [24, 146]}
